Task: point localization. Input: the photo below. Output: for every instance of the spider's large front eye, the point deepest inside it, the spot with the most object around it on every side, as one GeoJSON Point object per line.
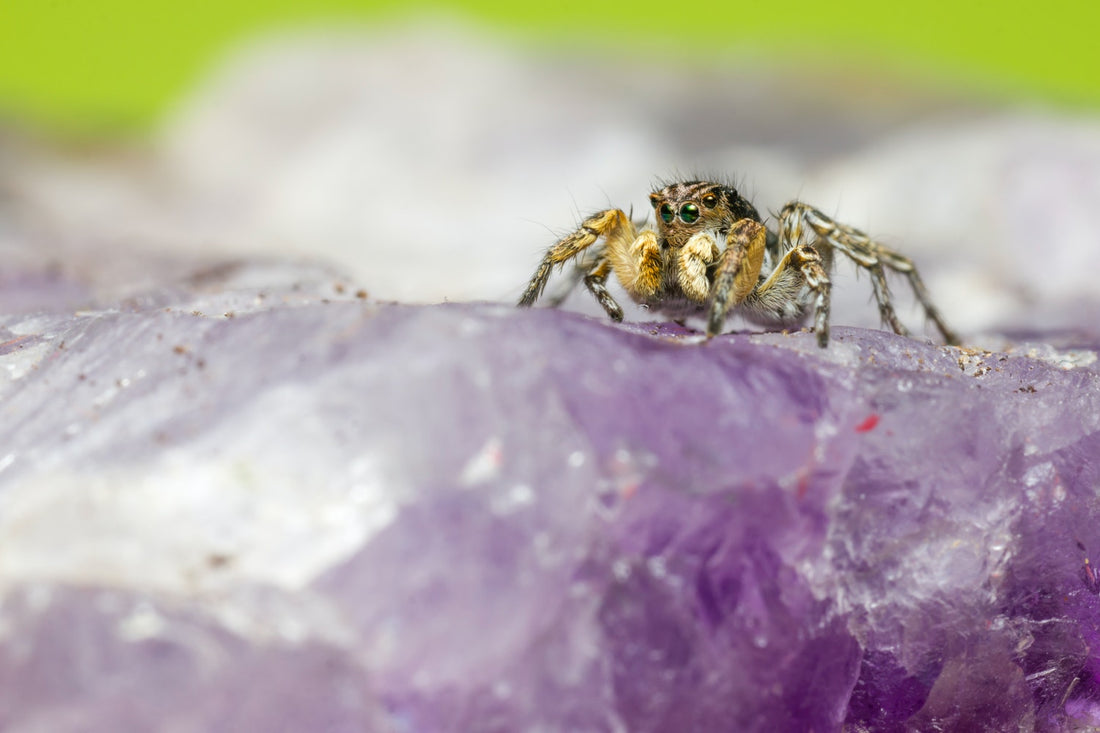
{"type": "Point", "coordinates": [666, 213]}
{"type": "Point", "coordinates": [689, 213]}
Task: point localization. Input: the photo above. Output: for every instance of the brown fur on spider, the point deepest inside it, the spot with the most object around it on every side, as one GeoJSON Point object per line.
{"type": "Point", "coordinates": [710, 252]}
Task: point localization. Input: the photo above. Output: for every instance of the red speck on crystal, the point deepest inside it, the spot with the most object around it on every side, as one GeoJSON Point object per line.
{"type": "Point", "coordinates": [868, 423]}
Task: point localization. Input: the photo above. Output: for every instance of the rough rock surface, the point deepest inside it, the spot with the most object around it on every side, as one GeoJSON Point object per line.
{"type": "Point", "coordinates": [230, 507]}
{"type": "Point", "coordinates": [237, 493]}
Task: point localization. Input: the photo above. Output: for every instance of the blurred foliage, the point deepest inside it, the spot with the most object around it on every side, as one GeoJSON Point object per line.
{"type": "Point", "coordinates": [89, 64]}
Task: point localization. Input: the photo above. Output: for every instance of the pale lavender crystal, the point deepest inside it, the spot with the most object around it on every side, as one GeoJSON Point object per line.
{"type": "Point", "coordinates": [324, 513]}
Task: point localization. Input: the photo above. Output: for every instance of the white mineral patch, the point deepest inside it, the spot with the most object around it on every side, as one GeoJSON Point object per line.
{"type": "Point", "coordinates": [1068, 359]}
{"type": "Point", "coordinates": [190, 518]}
{"type": "Point", "coordinates": [18, 362]}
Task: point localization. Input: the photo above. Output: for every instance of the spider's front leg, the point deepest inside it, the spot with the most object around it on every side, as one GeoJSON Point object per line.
{"type": "Point", "coordinates": [611, 224]}
{"type": "Point", "coordinates": [779, 298]}
{"type": "Point", "coordinates": [737, 272]}
{"type": "Point", "coordinates": [595, 280]}
{"type": "Point", "coordinates": [865, 252]}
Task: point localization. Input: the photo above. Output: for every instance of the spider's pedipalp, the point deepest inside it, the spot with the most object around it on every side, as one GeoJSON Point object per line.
{"type": "Point", "coordinates": [695, 256]}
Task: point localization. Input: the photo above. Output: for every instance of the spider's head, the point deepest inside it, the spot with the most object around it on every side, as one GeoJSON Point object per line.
{"type": "Point", "coordinates": [684, 209]}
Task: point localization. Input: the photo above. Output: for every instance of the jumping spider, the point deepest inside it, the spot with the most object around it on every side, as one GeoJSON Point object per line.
{"type": "Point", "coordinates": [710, 251]}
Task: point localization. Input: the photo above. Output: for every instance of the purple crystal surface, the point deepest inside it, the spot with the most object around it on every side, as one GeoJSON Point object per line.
{"type": "Point", "coordinates": [291, 508]}
{"type": "Point", "coordinates": [239, 494]}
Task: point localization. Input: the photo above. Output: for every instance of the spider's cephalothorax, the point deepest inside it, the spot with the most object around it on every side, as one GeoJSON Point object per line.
{"type": "Point", "coordinates": [685, 209]}
{"type": "Point", "coordinates": [710, 251]}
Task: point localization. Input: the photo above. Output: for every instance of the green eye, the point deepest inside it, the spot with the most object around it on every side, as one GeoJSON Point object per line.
{"type": "Point", "coordinates": [689, 213]}
{"type": "Point", "coordinates": [666, 213]}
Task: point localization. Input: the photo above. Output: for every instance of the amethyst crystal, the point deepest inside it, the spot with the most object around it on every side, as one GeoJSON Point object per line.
{"type": "Point", "coordinates": [232, 507]}
{"type": "Point", "coordinates": [251, 498]}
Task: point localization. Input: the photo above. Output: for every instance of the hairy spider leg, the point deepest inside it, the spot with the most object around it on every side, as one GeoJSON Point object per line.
{"type": "Point", "coordinates": [601, 224]}
{"type": "Point", "coordinates": [778, 299]}
{"type": "Point", "coordinates": [595, 280]}
{"type": "Point", "coordinates": [866, 253]}
{"type": "Point", "coordinates": [738, 270]}
{"type": "Point", "coordinates": [593, 271]}
{"type": "Point", "coordinates": [634, 257]}
{"type": "Point", "coordinates": [902, 264]}
{"type": "Point", "coordinates": [809, 263]}
{"type": "Point", "coordinates": [582, 266]}
{"type": "Point", "coordinates": [637, 262]}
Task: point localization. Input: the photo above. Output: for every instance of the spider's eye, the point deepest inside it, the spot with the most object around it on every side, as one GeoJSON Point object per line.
{"type": "Point", "coordinates": [689, 213]}
{"type": "Point", "coordinates": [666, 213]}
{"type": "Point", "coordinates": [710, 200]}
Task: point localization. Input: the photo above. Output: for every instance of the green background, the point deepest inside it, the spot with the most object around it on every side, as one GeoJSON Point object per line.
{"type": "Point", "coordinates": [80, 65]}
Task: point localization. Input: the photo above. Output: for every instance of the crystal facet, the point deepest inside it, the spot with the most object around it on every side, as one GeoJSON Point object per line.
{"type": "Point", "coordinates": [230, 509]}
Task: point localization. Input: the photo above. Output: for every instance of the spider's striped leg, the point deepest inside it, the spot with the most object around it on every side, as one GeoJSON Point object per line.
{"type": "Point", "coordinates": [777, 298]}
{"type": "Point", "coordinates": [738, 269]}
{"type": "Point", "coordinates": [808, 262]}
{"type": "Point", "coordinates": [576, 274]}
{"type": "Point", "coordinates": [595, 280]}
{"type": "Point", "coordinates": [607, 223]}
{"type": "Point", "coordinates": [882, 296]}
{"type": "Point", "coordinates": [828, 234]}
{"type": "Point", "coordinates": [902, 264]}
